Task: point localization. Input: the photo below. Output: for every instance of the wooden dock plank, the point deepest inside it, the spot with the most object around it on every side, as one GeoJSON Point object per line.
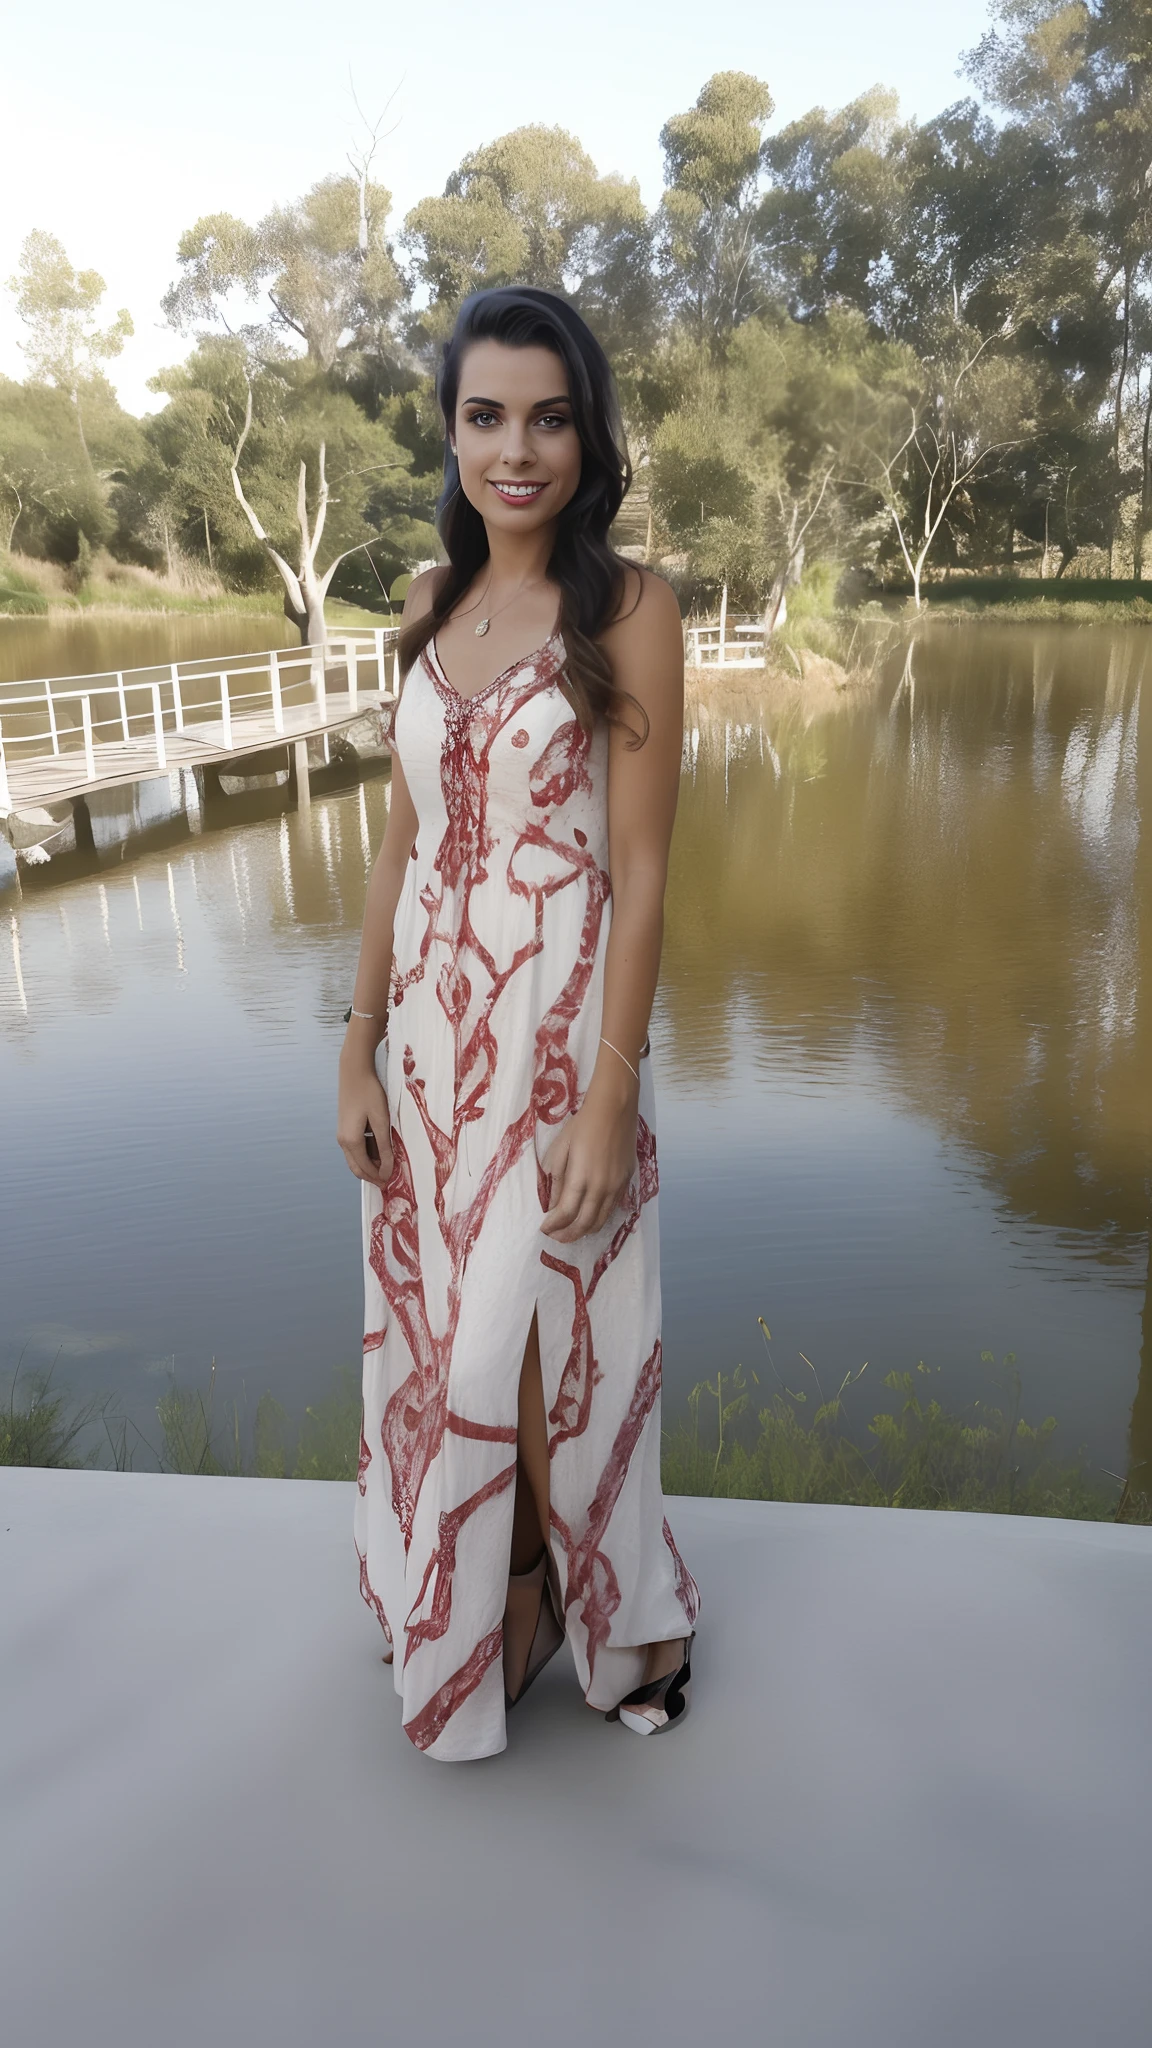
{"type": "Point", "coordinates": [56, 778]}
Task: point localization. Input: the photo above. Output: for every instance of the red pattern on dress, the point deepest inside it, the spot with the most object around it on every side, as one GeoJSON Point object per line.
{"type": "Point", "coordinates": [484, 1054]}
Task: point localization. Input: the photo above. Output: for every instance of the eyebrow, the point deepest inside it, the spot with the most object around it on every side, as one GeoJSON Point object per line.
{"type": "Point", "coordinates": [497, 404]}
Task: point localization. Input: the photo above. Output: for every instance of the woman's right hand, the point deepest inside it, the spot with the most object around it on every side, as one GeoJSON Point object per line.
{"type": "Point", "coordinates": [362, 1107]}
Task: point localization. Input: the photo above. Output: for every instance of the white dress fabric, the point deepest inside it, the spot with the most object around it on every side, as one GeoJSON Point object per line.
{"type": "Point", "coordinates": [494, 1027]}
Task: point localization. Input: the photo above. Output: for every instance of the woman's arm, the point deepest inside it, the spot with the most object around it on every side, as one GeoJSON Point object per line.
{"type": "Point", "coordinates": [593, 1158]}
{"type": "Point", "coordinates": [361, 1102]}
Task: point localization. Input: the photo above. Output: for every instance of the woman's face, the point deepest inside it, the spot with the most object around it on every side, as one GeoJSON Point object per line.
{"type": "Point", "coordinates": [518, 450]}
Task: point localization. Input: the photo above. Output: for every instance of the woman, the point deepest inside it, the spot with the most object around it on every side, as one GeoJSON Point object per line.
{"type": "Point", "coordinates": [509, 1487]}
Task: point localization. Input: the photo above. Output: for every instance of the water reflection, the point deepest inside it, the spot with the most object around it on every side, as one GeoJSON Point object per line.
{"type": "Point", "coordinates": [952, 874]}
{"type": "Point", "coordinates": [901, 1042]}
{"type": "Point", "coordinates": [92, 645]}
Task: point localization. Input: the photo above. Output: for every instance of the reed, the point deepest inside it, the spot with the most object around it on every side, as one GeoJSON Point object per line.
{"type": "Point", "coordinates": [39, 1427]}
{"type": "Point", "coordinates": [799, 1444]}
{"type": "Point", "coordinates": [803, 1446]}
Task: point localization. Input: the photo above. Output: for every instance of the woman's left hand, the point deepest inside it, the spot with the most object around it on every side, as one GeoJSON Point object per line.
{"type": "Point", "coordinates": [590, 1163]}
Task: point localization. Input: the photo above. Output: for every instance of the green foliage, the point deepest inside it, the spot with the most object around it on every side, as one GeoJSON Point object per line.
{"type": "Point", "coordinates": [831, 210]}
{"type": "Point", "coordinates": [324, 266]}
{"type": "Point", "coordinates": [58, 306]}
{"type": "Point", "coordinates": [195, 1438]}
{"type": "Point", "coordinates": [799, 1446]}
{"type": "Point", "coordinates": [699, 471]}
{"type": "Point", "coordinates": [531, 208]}
{"type": "Point", "coordinates": [898, 346]}
{"type": "Point", "coordinates": [55, 484]}
{"type": "Point", "coordinates": [179, 501]}
{"type": "Point", "coordinates": [709, 209]}
{"type": "Point", "coordinates": [756, 464]}
{"type": "Point", "coordinates": [329, 1443]}
{"type": "Point", "coordinates": [192, 1438]}
{"type": "Point", "coordinates": [986, 1460]}
{"type": "Point", "coordinates": [18, 593]}
{"type": "Point", "coordinates": [37, 1427]}
{"type": "Point", "coordinates": [814, 598]}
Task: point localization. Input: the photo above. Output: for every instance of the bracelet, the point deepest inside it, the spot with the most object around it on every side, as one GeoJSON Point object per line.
{"type": "Point", "coordinates": [620, 1056]}
{"type": "Point", "coordinates": [369, 1016]}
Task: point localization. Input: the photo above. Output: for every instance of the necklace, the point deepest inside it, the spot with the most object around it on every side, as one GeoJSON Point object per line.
{"type": "Point", "coordinates": [483, 624]}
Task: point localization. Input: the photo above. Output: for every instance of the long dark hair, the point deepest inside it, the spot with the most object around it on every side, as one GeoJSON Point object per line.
{"type": "Point", "coordinates": [588, 570]}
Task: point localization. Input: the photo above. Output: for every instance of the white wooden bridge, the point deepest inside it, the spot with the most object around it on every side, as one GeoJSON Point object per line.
{"type": "Point", "coordinates": [67, 738]}
{"type": "Point", "coordinates": [63, 739]}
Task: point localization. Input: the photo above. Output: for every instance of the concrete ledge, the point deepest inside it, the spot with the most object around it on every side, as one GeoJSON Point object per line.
{"type": "Point", "coordinates": [910, 1810]}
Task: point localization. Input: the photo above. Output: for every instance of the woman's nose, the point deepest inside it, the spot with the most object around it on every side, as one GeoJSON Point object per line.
{"type": "Point", "coordinates": [517, 449]}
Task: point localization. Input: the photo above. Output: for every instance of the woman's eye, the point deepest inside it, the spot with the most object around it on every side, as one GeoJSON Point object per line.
{"type": "Point", "coordinates": [481, 419]}
{"type": "Point", "coordinates": [553, 419]}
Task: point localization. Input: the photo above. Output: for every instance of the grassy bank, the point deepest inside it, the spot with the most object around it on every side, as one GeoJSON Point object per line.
{"type": "Point", "coordinates": [913, 1451]}
{"type": "Point", "coordinates": [1031, 611]}
{"type": "Point", "coordinates": [1029, 600]}
{"type": "Point", "coordinates": [35, 589]}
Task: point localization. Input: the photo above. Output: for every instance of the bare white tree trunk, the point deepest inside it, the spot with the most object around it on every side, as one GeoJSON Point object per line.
{"type": "Point", "coordinates": [792, 566]}
{"type": "Point", "coordinates": [776, 609]}
{"type": "Point", "coordinates": [949, 466]}
{"type": "Point", "coordinates": [15, 519]}
{"type": "Point", "coordinates": [305, 588]}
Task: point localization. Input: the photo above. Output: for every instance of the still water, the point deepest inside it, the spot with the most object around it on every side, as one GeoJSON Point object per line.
{"type": "Point", "coordinates": [901, 1049]}
{"type": "Point", "coordinates": [87, 646]}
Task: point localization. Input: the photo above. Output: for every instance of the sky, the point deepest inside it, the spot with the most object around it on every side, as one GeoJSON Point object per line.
{"type": "Point", "coordinates": [121, 125]}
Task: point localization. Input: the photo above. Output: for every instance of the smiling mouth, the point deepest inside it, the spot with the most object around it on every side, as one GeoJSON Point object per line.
{"type": "Point", "coordinates": [517, 494]}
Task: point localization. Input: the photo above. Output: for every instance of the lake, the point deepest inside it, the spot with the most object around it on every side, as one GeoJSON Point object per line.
{"type": "Point", "coordinates": [86, 645]}
{"type": "Point", "coordinates": [901, 1047]}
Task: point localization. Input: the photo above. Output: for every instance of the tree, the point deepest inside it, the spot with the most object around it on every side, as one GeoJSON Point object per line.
{"type": "Point", "coordinates": [707, 228]}
{"type": "Point", "coordinates": [1079, 72]}
{"type": "Point", "coordinates": [274, 421]}
{"type": "Point", "coordinates": [58, 304]}
{"type": "Point", "coordinates": [832, 206]}
{"type": "Point", "coordinates": [306, 586]}
{"type": "Point", "coordinates": [752, 469]}
{"type": "Point", "coordinates": [48, 492]}
{"type": "Point", "coordinates": [531, 208]}
{"type": "Point", "coordinates": [324, 264]}
{"type": "Point", "coordinates": [924, 448]}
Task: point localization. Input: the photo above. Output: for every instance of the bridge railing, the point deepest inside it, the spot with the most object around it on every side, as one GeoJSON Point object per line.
{"type": "Point", "coordinates": [736, 644]}
{"type": "Point", "coordinates": [52, 716]}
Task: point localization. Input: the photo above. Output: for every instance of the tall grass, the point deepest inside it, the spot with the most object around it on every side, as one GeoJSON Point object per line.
{"type": "Point", "coordinates": [29, 585]}
{"type": "Point", "coordinates": [195, 1437]}
{"type": "Point", "coordinates": [20, 594]}
{"type": "Point", "coordinates": [38, 1426]}
{"type": "Point", "coordinates": [804, 1446]}
{"type": "Point", "coordinates": [799, 1445]}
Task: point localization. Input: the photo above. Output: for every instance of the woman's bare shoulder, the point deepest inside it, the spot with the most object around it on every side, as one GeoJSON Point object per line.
{"type": "Point", "coordinates": [648, 615]}
{"type": "Point", "coordinates": [645, 596]}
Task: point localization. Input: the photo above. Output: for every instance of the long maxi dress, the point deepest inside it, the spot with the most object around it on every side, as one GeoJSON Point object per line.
{"type": "Point", "coordinates": [493, 1032]}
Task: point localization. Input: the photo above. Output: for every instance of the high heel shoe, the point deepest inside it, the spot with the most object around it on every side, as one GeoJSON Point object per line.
{"type": "Point", "coordinates": [661, 1704]}
{"type": "Point", "coordinates": [549, 1634]}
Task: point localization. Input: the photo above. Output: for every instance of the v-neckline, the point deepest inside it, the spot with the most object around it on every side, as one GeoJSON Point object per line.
{"type": "Point", "coordinates": [474, 696]}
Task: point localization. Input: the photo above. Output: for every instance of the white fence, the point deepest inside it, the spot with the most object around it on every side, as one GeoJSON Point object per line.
{"type": "Point", "coordinates": [731, 644]}
{"type": "Point", "coordinates": [54, 716]}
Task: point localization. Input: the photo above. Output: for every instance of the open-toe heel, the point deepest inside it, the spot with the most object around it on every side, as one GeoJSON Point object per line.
{"type": "Point", "coordinates": [549, 1634]}
{"type": "Point", "coordinates": [661, 1704]}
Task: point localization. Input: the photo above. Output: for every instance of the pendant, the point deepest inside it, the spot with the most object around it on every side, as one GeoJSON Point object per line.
{"type": "Point", "coordinates": [482, 628]}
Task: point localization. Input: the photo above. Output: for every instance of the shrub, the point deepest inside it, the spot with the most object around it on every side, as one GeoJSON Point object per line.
{"type": "Point", "coordinates": [35, 1428]}
{"type": "Point", "coordinates": [987, 1460]}
{"type": "Point", "coordinates": [18, 593]}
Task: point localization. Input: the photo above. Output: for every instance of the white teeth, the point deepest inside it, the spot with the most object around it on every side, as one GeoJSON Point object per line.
{"type": "Point", "coordinates": [520, 490]}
